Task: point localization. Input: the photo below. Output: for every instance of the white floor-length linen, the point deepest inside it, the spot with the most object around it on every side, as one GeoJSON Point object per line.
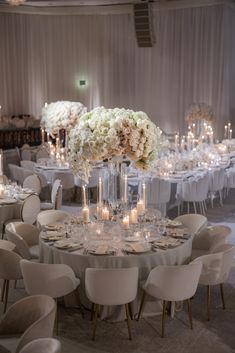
{"type": "Point", "coordinates": [145, 262]}
{"type": "Point", "coordinates": [45, 56]}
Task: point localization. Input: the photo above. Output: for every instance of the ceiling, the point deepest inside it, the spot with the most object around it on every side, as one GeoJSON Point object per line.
{"type": "Point", "coordinates": [77, 2]}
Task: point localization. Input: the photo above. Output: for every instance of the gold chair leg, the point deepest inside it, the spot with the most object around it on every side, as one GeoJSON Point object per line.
{"type": "Point", "coordinates": [128, 322]}
{"type": "Point", "coordinates": [3, 290]}
{"type": "Point", "coordinates": [222, 294]}
{"type": "Point", "coordinates": [163, 317]}
{"type": "Point", "coordinates": [6, 296]}
{"type": "Point", "coordinates": [190, 313]}
{"type": "Point", "coordinates": [57, 318]}
{"type": "Point", "coordinates": [95, 321]}
{"type": "Point", "coordinates": [79, 302]}
{"type": "Point", "coordinates": [92, 310]}
{"type": "Point", "coordinates": [130, 311]}
{"type": "Point", "coordinates": [141, 305]}
{"type": "Point", "coordinates": [208, 303]}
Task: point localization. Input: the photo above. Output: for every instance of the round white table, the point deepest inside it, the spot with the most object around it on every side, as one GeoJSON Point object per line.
{"type": "Point", "coordinates": [78, 260]}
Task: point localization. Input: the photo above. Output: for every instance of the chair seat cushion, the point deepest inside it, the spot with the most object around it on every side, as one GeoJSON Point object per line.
{"type": "Point", "coordinates": [8, 344]}
{"type": "Point", "coordinates": [46, 206]}
{"type": "Point", "coordinates": [34, 251]}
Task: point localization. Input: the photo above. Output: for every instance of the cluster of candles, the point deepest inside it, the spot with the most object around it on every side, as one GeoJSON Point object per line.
{"type": "Point", "coordinates": [189, 142]}
{"type": "Point", "coordinates": [103, 211]}
{"type": "Point", "coordinates": [228, 132]}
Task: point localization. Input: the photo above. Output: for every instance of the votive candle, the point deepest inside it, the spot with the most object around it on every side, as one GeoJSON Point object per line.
{"type": "Point", "coordinates": [86, 214]}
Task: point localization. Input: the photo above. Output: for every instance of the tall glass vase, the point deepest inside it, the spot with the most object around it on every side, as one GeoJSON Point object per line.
{"type": "Point", "coordinates": [116, 187]}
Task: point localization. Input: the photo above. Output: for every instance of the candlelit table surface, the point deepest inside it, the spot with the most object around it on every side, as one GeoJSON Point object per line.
{"type": "Point", "coordinates": [107, 245]}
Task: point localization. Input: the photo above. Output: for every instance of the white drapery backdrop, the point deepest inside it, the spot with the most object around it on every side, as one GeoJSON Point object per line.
{"type": "Point", "coordinates": [43, 57]}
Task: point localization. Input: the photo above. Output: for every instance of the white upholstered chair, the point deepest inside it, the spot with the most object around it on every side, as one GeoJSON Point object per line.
{"type": "Point", "coordinates": [30, 318]}
{"type": "Point", "coordinates": [42, 345]}
{"type": "Point", "coordinates": [194, 191]}
{"type": "Point", "coordinates": [9, 270]}
{"type": "Point", "coordinates": [29, 212]}
{"type": "Point", "coordinates": [26, 154]}
{"type": "Point", "coordinates": [56, 197]}
{"type": "Point", "coordinates": [170, 284]}
{"type": "Point", "coordinates": [33, 182]}
{"type": "Point", "coordinates": [159, 193]}
{"type": "Point", "coordinates": [27, 164]}
{"type": "Point", "coordinates": [55, 280]}
{"type": "Point", "coordinates": [208, 239]}
{"type": "Point", "coordinates": [42, 153]}
{"type": "Point", "coordinates": [215, 270]}
{"type": "Point", "coordinates": [216, 184]}
{"type": "Point", "coordinates": [194, 222]}
{"type": "Point", "coordinates": [25, 237]}
{"type": "Point", "coordinates": [51, 216]}
{"type": "Point", "coordinates": [67, 183]}
{"type": "Point", "coordinates": [111, 287]}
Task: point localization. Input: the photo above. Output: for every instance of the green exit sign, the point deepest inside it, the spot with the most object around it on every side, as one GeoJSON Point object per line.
{"type": "Point", "coordinates": [82, 82]}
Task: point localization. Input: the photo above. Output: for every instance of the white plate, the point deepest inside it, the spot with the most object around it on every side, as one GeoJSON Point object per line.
{"type": "Point", "coordinates": [7, 201]}
{"type": "Point", "coordinates": [133, 239]}
{"type": "Point", "coordinates": [173, 224]}
{"type": "Point", "coordinates": [135, 249]}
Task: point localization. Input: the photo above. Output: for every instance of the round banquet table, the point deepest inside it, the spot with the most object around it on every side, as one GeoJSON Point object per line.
{"type": "Point", "coordinates": [79, 261]}
{"type": "Point", "coordinates": [49, 171]}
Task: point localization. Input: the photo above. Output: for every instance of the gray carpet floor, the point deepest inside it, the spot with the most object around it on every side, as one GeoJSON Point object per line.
{"type": "Point", "coordinates": [216, 336]}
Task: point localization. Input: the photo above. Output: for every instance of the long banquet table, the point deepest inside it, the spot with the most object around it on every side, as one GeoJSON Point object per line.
{"type": "Point", "coordinates": [79, 260]}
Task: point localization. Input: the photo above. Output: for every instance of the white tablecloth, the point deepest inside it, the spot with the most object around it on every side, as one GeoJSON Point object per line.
{"type": "Point", "coordinates": [145, 262]}
{"type": "Point", "coordinates": [8, 212]}
{"type": "Point", "coordinates": [49, 172]}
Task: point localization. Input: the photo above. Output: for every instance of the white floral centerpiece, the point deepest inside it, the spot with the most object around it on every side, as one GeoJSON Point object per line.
{"type": "Point", "coordinates": [106, 133]}
{"type": "Point", "coordinates": [199, 111]}
{"type": "Point", "coordinates": [61, 115]}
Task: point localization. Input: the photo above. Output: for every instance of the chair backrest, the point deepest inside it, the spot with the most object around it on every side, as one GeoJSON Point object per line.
{"type": "Point", "coordinates": [159, 192]}
{"type": "Point", "coordinates": [43, 179]}
{"type": "Point", "coordinates": [42, 345]}
{"type": "Point", "coordinates": [10, 265]}
{"type": "Point", "coordinates": [194, 222]}
{"type": "Point", "coordinates": [27, 164]}
{"type": "Point", "coordinates": [58, 200]}
{"type": "Point", "coordinates": [30, 209]}
{"type": "Point", "coordinates": [20, 172]}
{"type": "Point", "coordinates": [26, 154]}
{"type": "Point", "coordinates": [111, 286]}
{"type": "Point", "coordinates": [7, 245]}
{"type": "Point", "coordinates": [21, 246]}
{"type": "Point", "coordinates": [33, 182]}
{"type": "Point", "coordinates": [51, 216]}
{"type": "Point", "coordinates": [66, 179]}
{"type": "Point", "coordinates": [42, 153]}
{"type": "Point", "coordinates": [13, 173]}
{"type": "Point", "coordinates": [216, 180]}
{"type": "Point", "coordinates": [55, 280]}
{"type": "Point", "coordinates": [228, 251]}
{"type": "Point", "coordinates": [173, 283]}
{"type": "Point", "coordinates": [211, 237]}
{"type": "Point", "coordinates": [54, 190]}
{"type": "Point", "coordinates": [33, 317]}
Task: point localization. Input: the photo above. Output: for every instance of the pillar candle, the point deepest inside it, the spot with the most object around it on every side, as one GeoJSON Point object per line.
{"type": "Point", "coordinates": [100, 192]}
{"type": "Point", "coordinates": [105, 214]}
{"type": "Point", "coordinates": [48, 137]}
{"type": "Point", "coordinates": [225, 132]}
{"type": "Point", "coordinates": [134, 216]}
{"type": "Point", "coordinates": [140, 208]}
{"type": "Point", "coordinates": [126, 222]}
{"type": "Point", "coordinates": [86, 214]}
{"type": "Point", "coordinates": [43, 136]}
